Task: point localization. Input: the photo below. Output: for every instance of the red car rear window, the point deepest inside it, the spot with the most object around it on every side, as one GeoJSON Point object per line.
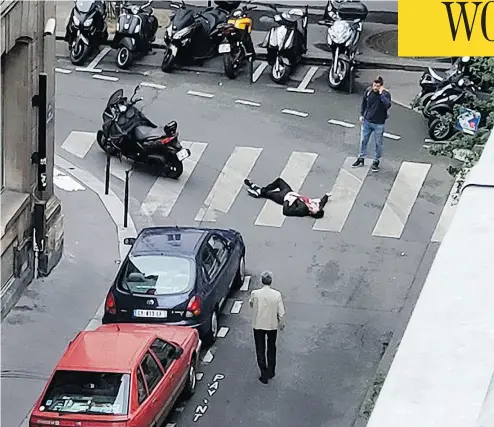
{"type": "Point", "coordinates": [87, 393]}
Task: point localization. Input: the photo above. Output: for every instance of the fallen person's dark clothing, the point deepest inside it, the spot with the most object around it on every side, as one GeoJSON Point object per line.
{"type": "Point", "coordinates": [293, 203]}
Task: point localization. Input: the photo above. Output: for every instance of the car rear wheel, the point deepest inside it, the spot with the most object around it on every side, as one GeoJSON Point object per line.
{"type": "Point", "coordinates": [240, 276]}
{"type": "Point", "coordinates": [190, 385]}
{"type": "Point", "coordinates": [212, 333]}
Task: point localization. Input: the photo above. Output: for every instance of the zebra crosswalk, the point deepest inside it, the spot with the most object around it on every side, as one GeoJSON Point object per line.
{"type": "Point", "coordinates": [162, 196]}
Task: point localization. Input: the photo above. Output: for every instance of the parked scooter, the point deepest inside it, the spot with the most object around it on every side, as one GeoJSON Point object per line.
{"type": "Point", "coordinates": [286, 42]}
{"type": "Point", "coordinates": [344, 22]}
{"type": "Point", "coordinates": [237, 46]}
{"type": "Point", "coordinates": [127, 132]}
{"type": "Point", "coordinates": [135, 33]}
{"type": "Point", "coordinates": [86, 29]}
{"type": "Point", "coordinates": [193, 36]}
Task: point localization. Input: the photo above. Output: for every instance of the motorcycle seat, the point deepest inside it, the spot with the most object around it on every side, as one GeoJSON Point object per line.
{"type": "Point", "coordinates": [439, 75]}
{"type": "Point", "coordinates": [213, 19]}
{"type": "Point", "coordinates": [146, 132]}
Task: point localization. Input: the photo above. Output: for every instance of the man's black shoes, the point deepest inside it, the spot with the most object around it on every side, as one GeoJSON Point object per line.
{"type": "Point", "coordinates": [375, 166]}
{"type": "Point", "coordinates": [263, 380]}
{"type": "Point", "coordinates": [358, 163]}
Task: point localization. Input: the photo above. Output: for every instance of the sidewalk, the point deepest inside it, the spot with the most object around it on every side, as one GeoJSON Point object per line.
{"type": "Point", "coordinates": [317, 53]}
{"type": "Point", "coordinates": [54, 309]}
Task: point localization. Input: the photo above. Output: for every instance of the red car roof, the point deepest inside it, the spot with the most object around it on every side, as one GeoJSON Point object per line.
{"type": "Point", "coordinates": [112, 348]}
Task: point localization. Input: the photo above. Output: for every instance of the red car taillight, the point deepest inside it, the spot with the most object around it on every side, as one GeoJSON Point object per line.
{"type": "Point", "coordinates": [194, 307]}
{"type": "Point", "coordinates": [110, 305]}
{"type": "Point", "coordinates": [167, 140]}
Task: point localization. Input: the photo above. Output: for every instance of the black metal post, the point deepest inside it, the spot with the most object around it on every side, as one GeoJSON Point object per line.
{"type": "Point", "coordinates": [107, 177]}
{"type": "Point", "coordinates": [42, 101]}
{"type": "Point", "coordinates": [209, 3]}
{"type": "Point", "coordinates": [126, 197]}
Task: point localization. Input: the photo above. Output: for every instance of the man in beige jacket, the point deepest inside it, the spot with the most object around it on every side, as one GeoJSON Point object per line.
{"type": "Point", "coordinates": [268, 314]}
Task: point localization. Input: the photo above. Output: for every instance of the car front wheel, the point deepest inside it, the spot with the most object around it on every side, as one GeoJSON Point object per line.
{"type": "Point", "coordinates": [240, 276]}
{"type": "Point", "coordinates": [212, 332]}
{"type": "Point", "coordinates": [190, 385]}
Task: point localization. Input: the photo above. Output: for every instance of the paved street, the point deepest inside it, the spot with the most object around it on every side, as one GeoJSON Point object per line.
{"type": "Point", "coordinates": [345, 278]}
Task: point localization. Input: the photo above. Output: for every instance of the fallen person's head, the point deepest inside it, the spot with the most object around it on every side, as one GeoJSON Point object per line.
{"type": "Point", "coordinates": [318, 214]}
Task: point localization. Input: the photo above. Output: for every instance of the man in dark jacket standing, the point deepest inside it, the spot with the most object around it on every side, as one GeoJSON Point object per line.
{"type": "Point", "coordinates": [293, 203]}
{"type": "Point", "coordinates": [373, 114]}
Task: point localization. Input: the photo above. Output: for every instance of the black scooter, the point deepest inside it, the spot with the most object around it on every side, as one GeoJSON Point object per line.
{"type": "Point", "coordinates": [86, 29]}
{"type": "Point", "coordinates": [135, 33]}
{"type": "Point", "coordinates": [127, 132]}
{"type": "Point", "coordinates": [193, 37]}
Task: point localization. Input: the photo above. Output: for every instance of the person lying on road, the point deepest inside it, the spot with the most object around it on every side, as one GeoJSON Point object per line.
{"type": "Point", "coordinates": [293, 203]}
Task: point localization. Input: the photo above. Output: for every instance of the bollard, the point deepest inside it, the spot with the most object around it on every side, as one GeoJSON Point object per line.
{"type": "Point", "coordinates": [126, 197]}
{"type": "Point", "coordinates": [107, 177]}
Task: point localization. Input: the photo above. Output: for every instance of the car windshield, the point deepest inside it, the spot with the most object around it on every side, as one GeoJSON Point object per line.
{"type": "Point", "coordinates": [157, 275]}
{"type": "Point", "coordinates": [87, 392]}
{"type": "Point", "coordinates": [83, 5]}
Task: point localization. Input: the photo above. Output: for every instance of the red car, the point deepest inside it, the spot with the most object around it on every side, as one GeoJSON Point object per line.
{"type": "Point", "coordinates": [122, 375]}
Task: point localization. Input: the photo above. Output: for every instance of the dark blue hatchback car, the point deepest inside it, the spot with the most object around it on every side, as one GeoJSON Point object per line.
{"type": "Point", "coordinates": [178, 276]}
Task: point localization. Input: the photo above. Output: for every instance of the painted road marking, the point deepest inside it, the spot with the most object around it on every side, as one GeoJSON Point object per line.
{"type": "Point", "coordinates": [200, 94]}
{"type": "Point", "coordinates": [296, 170]}
{"type": "Point", "coordinates": [447, 213]}
{"type": "Point", "coordinates": [401, 199]}
{"type": "Point", "coordinates": [343, 195]}
{"type": "Point", "coordinates": [302, 87]}
{"type": "Point", "coordinates": [431, 141]}
{"type": "Point", "coordinates": [89, 70]}
{"type": "Point", "coordinates": [98, 58]}
{"type": "Point", "coordinates": [259, 70]}
{"type": "Point", "coordinates": [179, 409]}
{"type": "Point", "coordinates": [391, 136]}
{"type": "Point", "coordinates": [66, 182]}
{"type": "Point", "coordinates": [223, 332]}
{"type": "Point", "coordinates": [229, 183]}
{"type": "Point", "coordinates": [246, 284]}
{"type": "Point", "coordinates": [165, 192]}
{"type": "Point", "coordinates": [171, 425]}
{"type": "Point", "coordinates": [79, 143]}
{"type": "Point", "coordinates": [295, 113]}
{"type": "Point", "coordinates": [236, 307]}
{"type": "Point", "coordinates": [199, 376]}
{"type": "Point", "coordinates": [250, 103]}
{"type": "Point", "coordinates": [153, 85]}
{"type": "Point", "coordinates": [340, 123]}
{"type": "Point", "coordinates": [106, 78]}
{"type": "Point", "coordinates": [62, 71]}
{"type": "Point", "coordinates": [208, 357]}
{"type": "Point", "coordinates": [119, 166]}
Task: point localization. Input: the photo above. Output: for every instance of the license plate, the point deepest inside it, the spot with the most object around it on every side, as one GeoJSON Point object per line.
{"type": "Point", "coordinates": [157, 314]}
{"type": "Point", "coordinates": [183, 154]}
{"type": "Point", "coordinates": [174, 49]}
{"type": "Point", "coordinates": [224, 48]}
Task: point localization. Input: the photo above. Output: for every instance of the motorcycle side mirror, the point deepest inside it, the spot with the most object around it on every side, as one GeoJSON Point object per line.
{"type": "Point", "coordinates": [465, 59]}
{"type": "Point", "coordinates": [137, 89]}
{"type": "Point", "coordinates": [277, 18]}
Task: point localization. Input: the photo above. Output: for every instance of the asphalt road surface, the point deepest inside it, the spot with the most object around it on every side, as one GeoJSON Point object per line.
{"type": "Point", "coordinates": [344, 278]}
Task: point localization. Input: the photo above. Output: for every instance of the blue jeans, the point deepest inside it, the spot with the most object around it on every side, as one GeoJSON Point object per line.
{"type": "Point", "coordinates": [367, 130]}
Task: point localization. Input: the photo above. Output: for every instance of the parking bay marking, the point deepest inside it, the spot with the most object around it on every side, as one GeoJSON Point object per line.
{"type": "Point", "coordinates": [246, 283]}
{"type": "Point", "coordinates": [106, 78]}
{"type": "Point", "coordinates": [340, 123]}
{"type": "Point", "coordinates": [391, 136]}
{"type": "Point", "coordinates": [250, 103]}
{"type": "Point", "coordinates": [165, 192]}
{"type": "Point", "coordinates": [99, 57]}
{"type": "Point", "coordinates": [200, 94]}
{"type": "Point", "coordinates": [62, 71]}
{"type": "Point", "coordinates": [302, 87]}
{"type": "Point", "coordinates": [259, 70]}
{"type": "Point", "coordinates": [153, 85]}
{"type": "Point", "coordinates": [222, 333]}
{"type": "Point", "coordinates": [208, 357]}
{"type": "Point", "coordinates": [295, 113]}
{"type": "Point", "coordinates": [236, 307]}
{"type": "Point", "coordinates": [199, 376]}
{"type": "Point", "coordinates": [296, 170]}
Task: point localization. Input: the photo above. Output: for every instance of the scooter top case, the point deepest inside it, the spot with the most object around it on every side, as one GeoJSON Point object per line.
{"type": "Point", "coordinates": [349, 11]}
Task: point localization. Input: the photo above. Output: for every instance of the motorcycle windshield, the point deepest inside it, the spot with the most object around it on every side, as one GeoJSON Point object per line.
{"type": "Point", "coordinates": [84, 6]}
{"type": "Point", "coordinates": [116, 96]}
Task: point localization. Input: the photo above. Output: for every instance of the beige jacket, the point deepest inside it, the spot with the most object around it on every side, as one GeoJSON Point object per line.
{"type": "Point", "coordinates": [268, 308]}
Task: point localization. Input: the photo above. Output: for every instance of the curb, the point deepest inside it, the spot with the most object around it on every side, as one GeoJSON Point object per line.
{"type": "Point", "coordinates": [324, 61]}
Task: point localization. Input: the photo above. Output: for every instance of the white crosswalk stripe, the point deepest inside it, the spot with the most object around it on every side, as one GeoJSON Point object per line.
{"type": "Point", "coordinates": [79, 143]}
{"type": "Point", "coordinates": [229, 183]}
{"type": "Point", "coordinates": [165, 192]}
{"type": "Point", "coordinates": [298, 167]}
{"type": "Point", "coordinates": [447, 213]}
{"type": "Point", "coordinates": [401, 199]}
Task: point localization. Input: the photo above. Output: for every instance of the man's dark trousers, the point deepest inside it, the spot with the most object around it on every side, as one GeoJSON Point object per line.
{"type": "Point", "coordinates": [260, 338]}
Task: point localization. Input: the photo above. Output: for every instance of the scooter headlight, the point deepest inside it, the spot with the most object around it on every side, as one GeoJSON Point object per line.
{"type": "Point", "coordinates": [76, 20]}
{"type": "Point", "coordinates": [138, 28]}
{"type": "Point", "coordinates": [88, 22]}
{"type": "Point", "coordinates": [182, 33]}
{"type": "Point", "coordinates": [122, 108]}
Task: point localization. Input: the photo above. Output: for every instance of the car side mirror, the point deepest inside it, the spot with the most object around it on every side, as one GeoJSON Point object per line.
{"type": "Point", "coordinates": [129, 241]}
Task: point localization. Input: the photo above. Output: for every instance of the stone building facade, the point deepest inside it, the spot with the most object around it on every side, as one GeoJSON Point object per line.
{"type": "Point", "coordinates": [26, 51]}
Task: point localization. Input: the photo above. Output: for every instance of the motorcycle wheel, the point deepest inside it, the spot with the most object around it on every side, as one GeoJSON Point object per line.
{"type": "Point", "coordinates": [175, 169]}
{"type": "Point", "coordinates": [439, 131]}
{"type": "Point", "coordinates": [280, 72]}
{"type": "Point", "coordinates": [124, 57]}
{"type": "Point", "coordinates": [107, 149]}
{"type": "Point", "coordinates": [229, 66]}
{"type": "Point", "coordinates": [168, 61]}
{"type": "Point", "coordinates": [79, 53]}
{"type": "Point", "coordinates": [424, 101]}
{"type": "Point", "coordinates": [333, 81]}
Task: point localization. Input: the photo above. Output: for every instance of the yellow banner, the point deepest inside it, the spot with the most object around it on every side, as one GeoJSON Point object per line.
{"type": "Point", "coordinates": [445, 28]}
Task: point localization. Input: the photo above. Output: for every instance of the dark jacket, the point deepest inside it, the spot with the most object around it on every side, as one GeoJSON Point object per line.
{"type": "Point", "coordinates": [300, 209]}
{"type": "Point", "coordinates": [375, 106]}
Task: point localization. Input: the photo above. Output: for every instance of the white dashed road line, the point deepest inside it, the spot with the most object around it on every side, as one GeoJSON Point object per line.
{"type": "Point", "coordinates": [340, 123]}
{"type": "Point", "coordinates": [106, 78]}
{"type": "Point", "coordinates": [302, 87]}
{"type": "Point", "coordinates": [295, 113]}
{"type": "Point", "coordinates": [199, 376]}
{"type": "Point", "coordinates": [62, 71]}
{"type": "Point", "coordinates": [98, 58]}
{"type": "Point", "coordinates": [223, 332]}
{"type": "Point", "coordinates": [89, 70]}
{"type": "Point", "coordinates": [250, 103]}
{"type": "Point", "coordinates": [259, 70]}
{"type": "Point", "coordinates": [171, 425]}
{"type": "Point", "coordinates": [391, 136]}
{"type": "Point", "coordinates": [245, 285]}
{"type": "Point", "coordinates": [200, 94]}
{"type": "Point", "coordinates": [153, 85]}
{"type": "Point", "coordinates": [236, 307]}
{"type": "Point", "coordinates": [208, 357]}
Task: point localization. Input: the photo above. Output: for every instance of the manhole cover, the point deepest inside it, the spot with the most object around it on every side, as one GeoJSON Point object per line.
{"type": "Point", "coordinates": [386, 42]}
